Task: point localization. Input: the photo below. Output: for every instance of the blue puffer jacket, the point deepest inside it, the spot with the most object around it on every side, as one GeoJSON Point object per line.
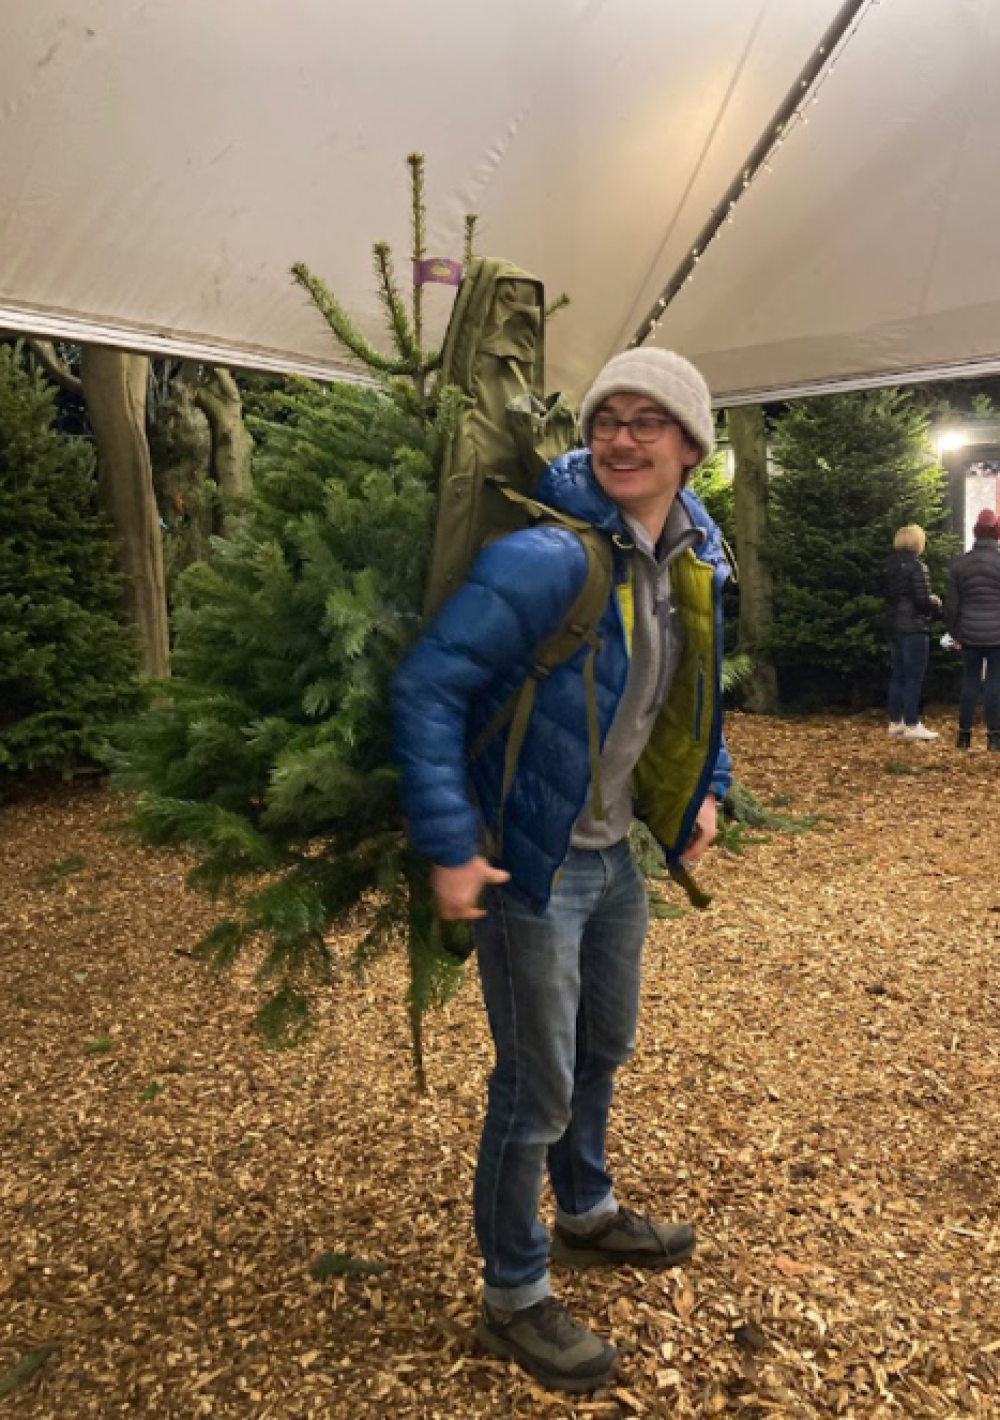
{"type": "Point", "coordinates": [478, 651]}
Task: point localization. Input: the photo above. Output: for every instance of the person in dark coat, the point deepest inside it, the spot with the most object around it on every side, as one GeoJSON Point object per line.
{"type": "Point", "coordinates": [909, 606]}
{"type": "Point", "coordinates": [972, 615]}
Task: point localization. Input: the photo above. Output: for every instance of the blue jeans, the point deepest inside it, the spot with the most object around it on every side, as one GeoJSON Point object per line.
{"type": "Point", "coordinates": [908, 656]}
{"type": "Point", "coordinates": [976, 659]}
{"type": "Point", "coordinates": [562, 995]}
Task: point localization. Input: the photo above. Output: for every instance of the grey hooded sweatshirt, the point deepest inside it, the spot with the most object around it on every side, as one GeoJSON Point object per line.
{"type": "Point", "coordinates": [655, 652]}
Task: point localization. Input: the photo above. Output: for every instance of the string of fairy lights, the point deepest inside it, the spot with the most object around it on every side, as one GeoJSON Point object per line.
{"type": "Point", "coordinates": [791, 114]}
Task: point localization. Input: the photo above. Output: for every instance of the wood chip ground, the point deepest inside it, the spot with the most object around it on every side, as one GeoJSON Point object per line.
{"type": "Point", "coordinates": [816, 1087]}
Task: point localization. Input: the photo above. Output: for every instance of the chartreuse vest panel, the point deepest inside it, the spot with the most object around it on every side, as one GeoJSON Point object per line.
{"type": "Point", "coordinates": [672, 767]}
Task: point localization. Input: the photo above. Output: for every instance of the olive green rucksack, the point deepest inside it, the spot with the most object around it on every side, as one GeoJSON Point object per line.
{"type": "Point", "coordinates": [505, 437]}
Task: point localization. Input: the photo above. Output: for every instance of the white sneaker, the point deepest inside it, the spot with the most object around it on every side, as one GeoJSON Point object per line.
{"type": "Point", "coordinates": [896, 727]}
{"type": "Point", "coordinates": [919, 732]}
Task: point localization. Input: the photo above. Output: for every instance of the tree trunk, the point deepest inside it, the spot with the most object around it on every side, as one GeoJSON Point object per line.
{"type": "Point", "coordinates": [219, 399]}
{"type": "Point", "coordinates": [114, 386]}
{"type": "Point", "coordinates": [180, 446]}
{"type": "Point", "coordinates": [748, 437]}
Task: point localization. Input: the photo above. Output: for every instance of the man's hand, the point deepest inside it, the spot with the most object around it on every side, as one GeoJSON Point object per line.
{"type": "Point", "coordinates": [706, 830]}
{"type": "Point", "coordinates": [457, 889]}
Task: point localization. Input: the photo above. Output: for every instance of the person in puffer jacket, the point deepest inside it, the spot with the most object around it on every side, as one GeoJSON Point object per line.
{"type": "Point", "coordinates": [972, 616]}
{"type": "Point", "coordinates": [909, 606]}
{"type": "Point", "coordinates": [560, 931]}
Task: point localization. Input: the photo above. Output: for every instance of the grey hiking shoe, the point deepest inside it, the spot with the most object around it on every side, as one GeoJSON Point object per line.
{"type": "Point", "coordinates": [546, 1342]}
{"type": "Point", "coordinates": [626, 1238]}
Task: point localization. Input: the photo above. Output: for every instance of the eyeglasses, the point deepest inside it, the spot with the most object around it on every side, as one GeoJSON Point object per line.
{"type": "Point", "coordinates": [644, 428]}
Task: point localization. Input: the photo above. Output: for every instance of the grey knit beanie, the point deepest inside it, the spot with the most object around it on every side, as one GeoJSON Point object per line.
{"type": "Point", "coordinates": [665, 377]}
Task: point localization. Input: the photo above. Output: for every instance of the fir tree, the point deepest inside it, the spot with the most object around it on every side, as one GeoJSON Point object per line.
{"type": "Point", "coordinates": [714, 486]}
{"type": "Point", "coordinates": [270, 752]}
{"type": "Point", "coordinates": [852, 469]}
{"type": "Point", "coordinates": [67, 660]}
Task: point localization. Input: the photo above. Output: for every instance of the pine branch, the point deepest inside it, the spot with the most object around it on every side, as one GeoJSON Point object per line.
{"type": "Point", "coordinates": [419, 223]}
{"type": "Point", "coordinates": [407, 339]}
{"type": "Point", "coordinates": [736, 670]}
{"type": "Point", "coordinates": [559, 304]}
{"type": "Point", "coordinates": [342, 326]}
{"type": "Point", "coordinates": [470, 236]}
{"type": "Point", "coordinates": [451, 401]}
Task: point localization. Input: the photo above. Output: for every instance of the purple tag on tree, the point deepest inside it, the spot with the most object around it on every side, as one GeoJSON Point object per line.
{"type": "Point", "coordinates": [437, 268]}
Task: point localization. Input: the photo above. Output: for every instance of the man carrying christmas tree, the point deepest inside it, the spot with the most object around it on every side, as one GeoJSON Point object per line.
{"type": "Point", "coordinates": [564, 910]}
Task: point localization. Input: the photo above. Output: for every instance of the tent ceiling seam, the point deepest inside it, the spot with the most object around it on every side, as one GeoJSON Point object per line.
{"type": "Point", "coordinates": [838, 33]}
{"type": "Point", "coordinates": [699, 164]}
{"type": "Point", "coordinates": [53, 325]}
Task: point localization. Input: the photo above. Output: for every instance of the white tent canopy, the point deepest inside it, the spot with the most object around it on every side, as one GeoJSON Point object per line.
{"type": "Point", "coordinates": [166, 161]}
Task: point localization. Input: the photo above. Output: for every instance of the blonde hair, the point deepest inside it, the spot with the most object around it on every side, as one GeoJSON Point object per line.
{"type": "Point", "coordinates": [912, 538]}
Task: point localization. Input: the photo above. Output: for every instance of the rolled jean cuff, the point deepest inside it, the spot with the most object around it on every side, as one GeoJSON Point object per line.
{"type": "Point", "coordinates": [515, 1299]}
{"type": "Point", "coordinates": [589, 1222]}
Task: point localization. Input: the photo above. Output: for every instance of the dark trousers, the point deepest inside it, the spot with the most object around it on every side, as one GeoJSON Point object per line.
{"type": "Point", "coordinates": [975, 661]}
{"type": "Point", "coordinates": [908, 655]}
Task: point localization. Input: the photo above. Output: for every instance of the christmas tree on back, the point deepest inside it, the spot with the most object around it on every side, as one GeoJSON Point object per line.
{"type": "Point", "coordinates": [269, 755]}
